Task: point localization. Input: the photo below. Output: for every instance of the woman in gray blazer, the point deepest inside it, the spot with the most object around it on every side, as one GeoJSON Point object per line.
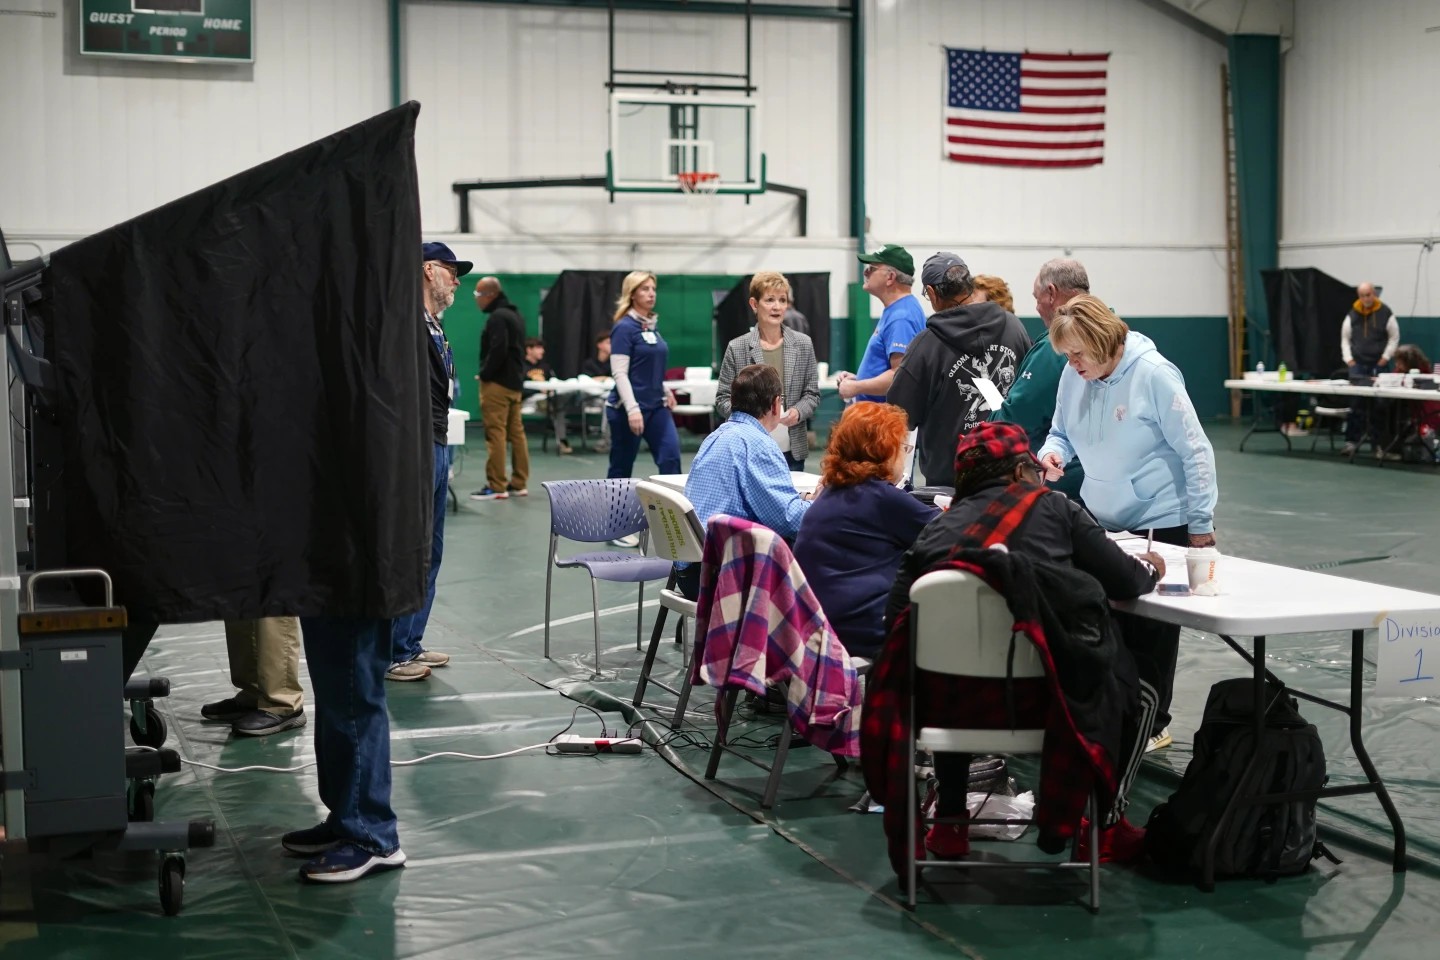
{"type": "Point", "coordinates": [788, 351]}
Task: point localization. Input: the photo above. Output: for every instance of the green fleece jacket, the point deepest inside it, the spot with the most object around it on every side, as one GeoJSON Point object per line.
{"type": "Point", "coordinates": [1031, 404]}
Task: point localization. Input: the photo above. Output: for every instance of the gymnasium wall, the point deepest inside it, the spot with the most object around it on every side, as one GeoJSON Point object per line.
{"type": "Point", "coordinates": [90, 142]}
{"type": "Point", "coordinates": [1360, 194]}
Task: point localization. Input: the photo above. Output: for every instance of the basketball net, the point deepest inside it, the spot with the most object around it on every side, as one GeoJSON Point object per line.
{"type": "Point", "coordinates": [699, 184]}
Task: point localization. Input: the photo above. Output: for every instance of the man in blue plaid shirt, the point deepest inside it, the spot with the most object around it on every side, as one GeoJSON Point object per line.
{"type": "Point", "coordinates": [740, 470]}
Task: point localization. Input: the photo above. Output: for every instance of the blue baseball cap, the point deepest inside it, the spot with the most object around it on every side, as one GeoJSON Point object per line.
{"type": "Point", "coordinates": [438, 251]}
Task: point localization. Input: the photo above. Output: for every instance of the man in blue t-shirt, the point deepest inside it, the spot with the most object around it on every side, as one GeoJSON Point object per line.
{"type": "Point", "coordinates": [889, 274]}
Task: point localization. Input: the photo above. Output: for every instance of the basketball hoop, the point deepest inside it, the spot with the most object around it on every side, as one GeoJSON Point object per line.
{"type": "Point", "coordinates": [699, 183]}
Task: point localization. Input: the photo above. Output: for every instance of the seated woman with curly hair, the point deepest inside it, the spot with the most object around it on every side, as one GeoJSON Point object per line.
{"type": "Point", "coordinates": [852, 538]}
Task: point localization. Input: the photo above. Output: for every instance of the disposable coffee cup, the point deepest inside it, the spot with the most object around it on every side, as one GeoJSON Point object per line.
{"type": "Point", "coordinates": [1203, 565]}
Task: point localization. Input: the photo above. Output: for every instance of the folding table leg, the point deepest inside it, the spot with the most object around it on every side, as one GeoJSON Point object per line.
{"type": "Point", "coordinates": [1357, 661]}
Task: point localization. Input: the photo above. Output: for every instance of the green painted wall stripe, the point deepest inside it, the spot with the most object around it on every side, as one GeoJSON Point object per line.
{"type": "Point", "coordinates": [1255, 101]}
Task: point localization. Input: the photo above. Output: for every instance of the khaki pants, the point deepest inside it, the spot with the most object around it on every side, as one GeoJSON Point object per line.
{"type": "Point", "coordinates": [500, 412]}
{"type": "Point", "coordinates": [265, 663]}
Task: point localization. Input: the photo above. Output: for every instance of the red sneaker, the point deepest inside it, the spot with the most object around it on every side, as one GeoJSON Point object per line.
{"type": "Point", "coordinates": [1122, 843]}
{"type": "Point", "coordinates": [948, 841]}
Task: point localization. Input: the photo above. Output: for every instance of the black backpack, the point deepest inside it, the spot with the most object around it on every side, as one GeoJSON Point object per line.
{"type": "Point", "coordinates": [1269, 841]}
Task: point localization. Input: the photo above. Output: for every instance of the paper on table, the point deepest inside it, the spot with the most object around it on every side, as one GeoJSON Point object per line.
{"type": "Point", "coordinates": [989, 392]}
{"type": "Point", "coordinates": [1177, 575]}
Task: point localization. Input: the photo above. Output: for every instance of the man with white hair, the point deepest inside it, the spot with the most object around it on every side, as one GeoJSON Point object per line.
{"type": "Point", "coordinates": [1031, 401]}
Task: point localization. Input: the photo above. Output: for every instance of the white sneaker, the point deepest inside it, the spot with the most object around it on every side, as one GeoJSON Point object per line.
{"type": "Point", "coordinates": [1160, 741]}
{"type": "Point", "coordinates": [633, 540]}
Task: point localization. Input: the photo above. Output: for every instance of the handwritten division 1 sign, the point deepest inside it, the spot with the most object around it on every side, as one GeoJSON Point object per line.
{"type": "Point", "coordinates": [1408, 664]}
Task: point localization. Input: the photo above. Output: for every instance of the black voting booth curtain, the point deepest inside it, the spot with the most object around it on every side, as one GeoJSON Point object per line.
{"type": "Point", "coordinates": [243, 394]}
{"type": "Point", "coordinates": [578, 308]}
{"type": "Point", "coordinates": [1307, 307]}
{"type": "Point", "coordinates": [811, 296]}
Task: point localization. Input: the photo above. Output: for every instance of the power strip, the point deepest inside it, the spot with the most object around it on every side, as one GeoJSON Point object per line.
{"type": "Point", "coordinates": [575, 743]}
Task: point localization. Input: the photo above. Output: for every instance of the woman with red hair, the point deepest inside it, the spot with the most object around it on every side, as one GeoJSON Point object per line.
{"type": "Point", "coordinates": [854, 534]}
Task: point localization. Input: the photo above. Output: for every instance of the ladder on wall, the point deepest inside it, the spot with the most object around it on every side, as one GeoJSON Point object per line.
{"type": "Point", "coordinates": [1234, 256]}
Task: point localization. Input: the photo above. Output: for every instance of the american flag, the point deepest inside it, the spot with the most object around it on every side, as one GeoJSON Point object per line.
{"type": "Point", "coordinates": [1026, 109]}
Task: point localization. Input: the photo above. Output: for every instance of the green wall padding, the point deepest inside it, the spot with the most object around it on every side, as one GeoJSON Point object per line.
{"type": "Point", "coordinates": [1255, 103]}
{"type": "Point", "coordinates": [1194, 344]}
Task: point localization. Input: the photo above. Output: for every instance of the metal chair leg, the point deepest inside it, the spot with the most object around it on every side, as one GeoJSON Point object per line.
{"type": "Point", "coordinates": [727, 713]}
{"type": "Point", "coordinates": [1094, 853]}
{"type": "Point", "coordinates": [549, 573]}
{"type": "Point", "coordinates": [639, 615]}
{"type": "Point", "coordinates": [681, 703]}
{"type": "Point", "coordinates": [772, 783]}
{"type": "Point", "coordinates": [595, 606]}
{"type": "Point", "coordinates": [655, 635]}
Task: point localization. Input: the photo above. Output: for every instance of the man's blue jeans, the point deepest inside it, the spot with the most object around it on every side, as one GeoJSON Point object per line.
{"type": "Point", "coordinates": [348, 657]}
{"type": "Point", "coordinates": [409, 630]}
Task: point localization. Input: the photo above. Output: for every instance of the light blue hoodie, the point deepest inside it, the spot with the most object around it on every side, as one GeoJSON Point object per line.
{"type": "Point", "coordinates": [1147, 460]}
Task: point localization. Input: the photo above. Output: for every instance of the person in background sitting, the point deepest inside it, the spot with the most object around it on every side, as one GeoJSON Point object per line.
{"type": "Point", "coordinates": [556, 405]}
{"type": "Point", "coordinates": [853, 536]}
{"type": "Point", "coordinates": [993, 289]}
{"type": "Point", "coordinates": [598, 368]}
{"type": "Point", "coordinates": [740, 471]}
{"type": "Point", "coordinates": [1411, 359]}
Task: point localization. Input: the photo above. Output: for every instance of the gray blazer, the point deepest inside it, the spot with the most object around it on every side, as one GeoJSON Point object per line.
{"type": "Point", "coordinates": [802, 382]}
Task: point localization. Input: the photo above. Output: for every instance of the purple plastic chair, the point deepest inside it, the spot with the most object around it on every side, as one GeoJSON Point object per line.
{"type": "Point", "coordinates": [597, 511]}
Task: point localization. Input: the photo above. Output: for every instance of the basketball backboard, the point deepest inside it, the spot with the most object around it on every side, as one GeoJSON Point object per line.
{"type": "Point", "coordinates": [656, 137]}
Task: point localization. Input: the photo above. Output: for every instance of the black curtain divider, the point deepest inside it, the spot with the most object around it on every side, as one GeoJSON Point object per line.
{"type": "Point", "coordinates": [811, 295]}
{"type": "Point", "coordinates": [243, 398]}
{"type": "Point", "coordinates": [1307, 307]}
{"type": "Point", "coordinates": [579, 307]}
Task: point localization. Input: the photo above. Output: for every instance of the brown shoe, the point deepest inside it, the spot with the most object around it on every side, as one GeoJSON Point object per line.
{"type": "Point", "coordinates": [414, 670]}
{"type": "Point", "coordinates": [432, 658]}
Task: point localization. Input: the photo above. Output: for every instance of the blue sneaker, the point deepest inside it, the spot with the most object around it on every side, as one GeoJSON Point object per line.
{"type": "Point", "coordinates": [490, 494]}
{"type": "Point", "coordinates": [349, 862]}
{"type": "Point", "coordinates": [313, 840]}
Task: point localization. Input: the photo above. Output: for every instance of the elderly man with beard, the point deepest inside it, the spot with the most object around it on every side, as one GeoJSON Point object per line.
{"type": "Point", "coordinates": [961, 343]}
{"type": "Point", "coordinates": [409, 660]}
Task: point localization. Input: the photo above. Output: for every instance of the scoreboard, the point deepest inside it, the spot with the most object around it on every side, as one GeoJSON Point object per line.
{"type": "Point", "coordinates": [198, 31]}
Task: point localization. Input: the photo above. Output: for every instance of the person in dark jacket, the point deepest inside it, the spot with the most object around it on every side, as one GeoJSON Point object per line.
{"type": "Point", "coordinates": [961, 342]}
{"type": "Point", "coordinates": [853, 535]}
{"type": "Point", "coordinates": [1369, 335]}
{"type": "Point", "coordinates": [989, 460]}
{"type": "Point", "coordinates": [502, 368]}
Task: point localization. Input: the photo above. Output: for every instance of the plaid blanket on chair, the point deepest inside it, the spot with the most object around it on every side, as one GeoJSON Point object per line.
{"type": "Point", "coordinates": [757, 622]}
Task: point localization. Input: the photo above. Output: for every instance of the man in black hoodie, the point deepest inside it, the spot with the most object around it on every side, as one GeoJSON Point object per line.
{"type": "Point", "coordinates": [502, 369]}
{"type": "Point", "coordinates": [935, 383]}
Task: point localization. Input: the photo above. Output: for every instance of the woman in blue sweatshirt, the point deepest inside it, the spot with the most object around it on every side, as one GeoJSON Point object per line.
{"type": "Point", "coordinates": [1122, 410]}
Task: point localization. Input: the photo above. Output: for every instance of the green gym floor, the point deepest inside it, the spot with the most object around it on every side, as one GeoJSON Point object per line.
{"type": "Point", "coordinates": [538, 856]}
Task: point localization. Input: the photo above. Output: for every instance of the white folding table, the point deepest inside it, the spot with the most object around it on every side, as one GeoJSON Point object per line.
{"type": "Point", "coordinates": [804, 482]}
{"type": "Point", "coordinates": [1264, 600]}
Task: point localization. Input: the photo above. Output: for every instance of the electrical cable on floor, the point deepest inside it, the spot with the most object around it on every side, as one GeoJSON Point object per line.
{"type": "Point", "coordinates": [405, 763]}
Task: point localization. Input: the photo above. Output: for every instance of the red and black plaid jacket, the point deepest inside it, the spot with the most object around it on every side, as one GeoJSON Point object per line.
{"type": "Point", "coordinates": [1072, 765]}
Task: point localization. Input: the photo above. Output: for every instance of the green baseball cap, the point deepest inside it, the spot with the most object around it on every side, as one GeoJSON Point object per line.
{"type": "Point", "coordinates": [892, 255]}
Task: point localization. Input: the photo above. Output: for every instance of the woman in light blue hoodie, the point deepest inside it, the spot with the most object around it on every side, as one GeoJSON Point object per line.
{"type": "Point", "coordinates": [1122, 410]}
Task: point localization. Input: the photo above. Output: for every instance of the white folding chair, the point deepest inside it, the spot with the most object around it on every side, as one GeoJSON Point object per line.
{"type": "Point", "coordinates": [960, 626]}
{"type": "Point", "coordinates": [676, 535]}
{"type": "Point", "coordinates": [702, 402]}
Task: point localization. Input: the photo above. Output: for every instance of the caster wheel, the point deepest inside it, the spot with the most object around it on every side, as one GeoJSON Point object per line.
{"type": "Point", "coordinates": [172, 884]}
{"type": "Point", "coordinates": [154, 733]}
{"type": "Point", "coordinates": [142, 807]}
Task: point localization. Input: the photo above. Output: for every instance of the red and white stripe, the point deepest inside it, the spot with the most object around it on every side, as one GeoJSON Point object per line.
{"type": "Point", "coordinates": [1061, 122]}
